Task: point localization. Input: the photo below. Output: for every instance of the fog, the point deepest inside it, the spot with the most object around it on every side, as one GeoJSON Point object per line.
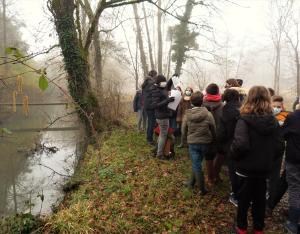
{"type": "Point", "coordinates": [236, 43]}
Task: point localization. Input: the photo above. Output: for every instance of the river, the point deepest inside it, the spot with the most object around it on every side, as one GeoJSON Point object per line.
{"type": "Point", "coordinates": [34, 165]}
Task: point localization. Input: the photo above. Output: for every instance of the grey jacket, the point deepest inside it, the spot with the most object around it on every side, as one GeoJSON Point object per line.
{"type": "Point", "coordinates": [199, 126]}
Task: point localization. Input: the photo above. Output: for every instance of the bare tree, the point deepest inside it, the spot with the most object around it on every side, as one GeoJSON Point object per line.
{"type": "Point", "coordinates": [292, 36]}
{"type": "Point", "coordinates": [279, 16]}
{"type": "Point", "coordinates": [140, 41]}
{"type": "Point", "coordinates": [159, 40]}
{"type": "Point", "coordinates": [149, 39]}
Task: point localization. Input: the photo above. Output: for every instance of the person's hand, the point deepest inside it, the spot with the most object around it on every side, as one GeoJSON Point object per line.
{"type": "Point", "coordinates": [171, 99]}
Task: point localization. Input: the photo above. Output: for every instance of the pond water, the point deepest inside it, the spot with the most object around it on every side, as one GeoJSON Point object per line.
{"type": "Point", "coordinates": [34, 165]}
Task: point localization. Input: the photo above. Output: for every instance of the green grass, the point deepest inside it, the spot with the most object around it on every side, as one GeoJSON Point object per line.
{"type": "Point", "coordinates": [125, 190]}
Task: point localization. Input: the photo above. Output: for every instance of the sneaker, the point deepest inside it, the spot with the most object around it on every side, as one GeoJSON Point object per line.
{"type": "Point", "coordinates": [240, 231]}
{"type": "Point", "coordinates": [258, 232]}
{"type": "Point", "coordinates": [151, 143]}
{"type": "Point", "coordinates": [233, 200]}
{"type": "Point", "coordinates": [290, 227]}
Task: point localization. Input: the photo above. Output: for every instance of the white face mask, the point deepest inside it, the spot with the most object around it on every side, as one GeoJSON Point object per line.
{"type": "Point", "coordinates": [188, 93]}
{"type": "Point", "coordinates": [276, 110]}
{"type": "Point", "coordinates": [163, 84]}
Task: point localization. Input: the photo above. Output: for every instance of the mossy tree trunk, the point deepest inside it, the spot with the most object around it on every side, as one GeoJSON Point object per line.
{"type": "Point", "coordinates": [76, 63]}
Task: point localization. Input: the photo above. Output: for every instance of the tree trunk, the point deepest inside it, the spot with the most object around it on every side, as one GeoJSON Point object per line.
{"type": "Point", "coordinates": [140, 39]}
{"type": "Point", "coordinates": [277, 70]}
{"type": "Point", "coordinates": [298, 72]}
{"type": "Point", "coordinates": [159, 41]}
{"type": "Point", "coordinates": [4, 35]}
{"type": "Point", "coordinates": [169, 59]}
{"type": "Point", "coordinates": [184, 26]}
{"type": "Point", "coordinates": [149, 40]}
{"type": "Point", "coordinates": [98, 62]}
{"type": "Point", "coordinates": [76, 64]}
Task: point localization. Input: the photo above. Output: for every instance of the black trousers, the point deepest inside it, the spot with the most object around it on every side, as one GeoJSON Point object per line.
{"type": "Point", "coordinates": [281, 187]}
{"type": "Point", "coordinates": [251, 190]}
{"type": "Point", "coordinates": [233, 177]}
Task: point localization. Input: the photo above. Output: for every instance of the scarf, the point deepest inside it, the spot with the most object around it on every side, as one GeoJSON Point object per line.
{"type": "Point", "coordinates": [213, 98]}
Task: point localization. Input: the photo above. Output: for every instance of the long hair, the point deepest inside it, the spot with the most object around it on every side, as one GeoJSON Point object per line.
{"type": "Point", "coordinates": [258, 102]}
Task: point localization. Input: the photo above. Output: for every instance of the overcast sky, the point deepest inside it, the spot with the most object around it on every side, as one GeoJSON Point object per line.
{"type": "Point", "coordinates": [251, 18]}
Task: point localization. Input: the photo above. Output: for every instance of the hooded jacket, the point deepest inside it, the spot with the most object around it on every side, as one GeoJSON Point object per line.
{"type": "Point", "coordinates": [147, 89]}
{"type": "Point", "coordinates": [255, 145]}
{"type": "Point", "coordinates": [228, 120]}
{"type": "Point", "coordinates": [215, 107]}
{"type": "Point", "coordinates": [160, 101]}
{"type": "Point", "coordinates": [199, 126]}
{"type": "Point", "coordinates": [291, 132]}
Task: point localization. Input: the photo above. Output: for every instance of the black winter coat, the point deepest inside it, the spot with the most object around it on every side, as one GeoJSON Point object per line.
{"type": "Point", "coordinates": [225, 130]}
{"type": "Point", "coordinates": [147, 89]}
{"type": "Point", "coordinates": [291, 132]}
{"type": "Point", "coordinates": [138, 101]}
{"type": "Point", "coordinates": [160, 101]}
{"type": "Point", "coordinates": [256, 144]}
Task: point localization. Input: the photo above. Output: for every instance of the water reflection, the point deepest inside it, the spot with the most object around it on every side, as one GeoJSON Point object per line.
{"type": "Point", "coordinates": [26, 177]}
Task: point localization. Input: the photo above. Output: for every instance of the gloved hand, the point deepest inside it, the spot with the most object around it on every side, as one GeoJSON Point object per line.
{"type": "Point", "coordinates": [171, 99]}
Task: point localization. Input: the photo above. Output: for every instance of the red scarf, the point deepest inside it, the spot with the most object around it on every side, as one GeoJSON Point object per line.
{"type": "Point", "coordinates": [213, 98]}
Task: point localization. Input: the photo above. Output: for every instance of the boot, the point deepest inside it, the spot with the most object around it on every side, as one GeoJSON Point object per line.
{"type": "Point", "coordinates": [210, 171]}
{"type": "Point", "coordinates": [292, 223]}
{"type": "Point", "coordinates": [191, 182]}
{"type": "Point", "coordinates": [218, 163]}
{"type": "Point", "coordinates": [201, 183]}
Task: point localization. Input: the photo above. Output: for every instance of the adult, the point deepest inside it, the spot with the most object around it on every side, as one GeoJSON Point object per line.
{"type": "Point", "coordinates": [225, 133]}
{"type": "Point", "coordinates": [291, 131]}
{"type": "Point", "coordinates": [138, 107]}
{"type": "Point", "coordinates": [147, 89]}
{"type": "Point", "coordinates": [184, 105]}
{"type": "Point", "coordinates": [213, 102]}
{"type": "Point", "coordinates": [160, 101]}
{"type": "Point", "coordinates": [254, 147]}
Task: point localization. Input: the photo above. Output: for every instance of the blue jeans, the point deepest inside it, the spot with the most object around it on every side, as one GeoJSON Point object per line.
{"type": "Point", "coordinates": [197, 152]}
{"type": "Point", "coordinates": [151, 124]}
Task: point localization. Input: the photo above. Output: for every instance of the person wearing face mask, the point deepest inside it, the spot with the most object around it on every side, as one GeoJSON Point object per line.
{"type": "Point", "coordinates": [184, 105]}
{"type": "Point", "coordinates": [160, 101]}
{"type": "Point", "coordinates": [278, 109]}
{"type": "Point", "coordinates": [277, 184]}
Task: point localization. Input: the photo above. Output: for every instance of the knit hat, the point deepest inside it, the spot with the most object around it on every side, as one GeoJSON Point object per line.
{"type": "Point", "coordinates": [212, 89]}
{"type": "Point", "coordinates": [160, 78]}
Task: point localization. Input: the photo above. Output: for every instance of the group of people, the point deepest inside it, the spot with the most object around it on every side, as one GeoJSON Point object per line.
{"type": "Point", "coordinates": [250, 132]}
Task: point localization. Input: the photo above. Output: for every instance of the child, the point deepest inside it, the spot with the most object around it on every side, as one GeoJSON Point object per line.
{"type": "Point", "coordinates": [213, 102]}
{"type": "Point", "coordinates": [225, 133]}
{"type": "Point", "coordinates": [253, 148]}
{"type": "Point", "coordinates": [184, 105]}
{"type": "Point", "coordinates": [199, 127]}
{"type": "Point", "coordinates": [278, 109]}
{"type": "Point", "coordinates": [291, 130]}
{"type": "Point", "coordinates": [276, 184]}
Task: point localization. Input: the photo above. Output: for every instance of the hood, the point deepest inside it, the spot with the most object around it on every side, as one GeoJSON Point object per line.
{"type": "Point", "coordinates": [264, 125]}
{"type": "Point", "coordinates": [197, 114]}
{"type": "Point", "coordinates": [148, 80]}
{"type": "Point", "coordinates": [212, 106]}
{"type": "Point", "coordinates": [231, 111]}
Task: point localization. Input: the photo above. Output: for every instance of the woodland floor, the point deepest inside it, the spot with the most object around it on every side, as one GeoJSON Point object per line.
{"type": "Point", "coordinates": [125, 190]}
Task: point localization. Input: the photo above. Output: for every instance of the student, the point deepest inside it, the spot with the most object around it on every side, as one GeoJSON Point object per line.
{"type": "Point", "coordinates": [184, 105]}
{"type": "Point", "coordinates": [253, 148]}
{"type": "Point", "coordinates": [138, 107]}
{"type": "Point", "coordinates": [147, 89]}
{"type": "Point", "coordinates": [199, 127]}
{"type": "Point", "coordinates": [291, 130]}
{"type": "Point", "coordinates": [275, 185]}
{"type": "Point", "coordinates": [278, 109]}
{"type": "Point", "coordinates": [225, 133]}
{"type": "Point", "coordinates": [160, 101]}
{"type": "Point", "coordinates": [213, 103]}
